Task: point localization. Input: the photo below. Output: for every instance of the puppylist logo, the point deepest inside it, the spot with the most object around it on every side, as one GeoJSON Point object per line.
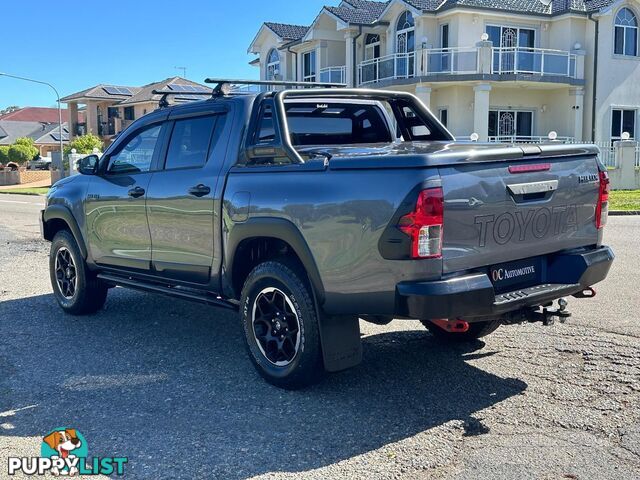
{"type": "Point", "coordinates": [64, 452]}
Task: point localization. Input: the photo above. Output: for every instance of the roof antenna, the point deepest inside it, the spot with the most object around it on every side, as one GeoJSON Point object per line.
{"type": "Point", "coordinates": [184, 71]}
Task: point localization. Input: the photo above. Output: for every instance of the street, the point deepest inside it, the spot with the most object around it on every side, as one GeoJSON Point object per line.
{"type": "Point", "coordinates": [169, 385]}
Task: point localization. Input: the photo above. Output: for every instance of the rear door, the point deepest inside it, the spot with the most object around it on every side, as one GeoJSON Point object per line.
{"type": "Point", "coordinates": [498, 212]}
{"type": "Point", "coordinates": [181, 197]}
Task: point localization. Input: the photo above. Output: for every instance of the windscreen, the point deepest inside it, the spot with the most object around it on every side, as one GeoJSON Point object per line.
{"type": "Point", "coordinates": [327, 123]}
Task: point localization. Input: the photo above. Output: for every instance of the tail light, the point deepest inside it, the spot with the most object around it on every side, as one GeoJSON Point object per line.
{"type": "Point", "coordinates": [602, 207]}
{"type": "Point", "coordinates": [425, 224]}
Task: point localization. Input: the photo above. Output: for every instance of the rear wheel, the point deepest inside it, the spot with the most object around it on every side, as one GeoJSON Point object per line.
{"type": "Point", "coordinates": [75, 287]}
{"type": "Point", "coordinates": [476, 331]}
{"type": "Point", "coordinates": [281, 325]}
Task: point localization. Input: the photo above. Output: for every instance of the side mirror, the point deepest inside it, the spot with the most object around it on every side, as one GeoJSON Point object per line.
{"type": "Point", "coordinates": [88, 165]}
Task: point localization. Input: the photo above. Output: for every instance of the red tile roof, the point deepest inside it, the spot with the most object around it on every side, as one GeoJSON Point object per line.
{"type": "Point", "coordinates": [36, 114]}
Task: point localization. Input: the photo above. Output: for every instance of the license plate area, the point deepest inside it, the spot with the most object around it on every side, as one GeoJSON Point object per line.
{"type": "Point", "coordinates": [510, 276]}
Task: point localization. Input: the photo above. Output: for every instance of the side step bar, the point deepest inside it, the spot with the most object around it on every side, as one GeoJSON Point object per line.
{"type": "Point", "coordinates": [179, 292]}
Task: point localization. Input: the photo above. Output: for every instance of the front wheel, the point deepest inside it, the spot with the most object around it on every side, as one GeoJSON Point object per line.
{"type": "Point", "coordinates": [280, 324]}
{"type": "Point", "coordinates": [476, 330]}
{"type": "Point", "coordinates": [75, 287]}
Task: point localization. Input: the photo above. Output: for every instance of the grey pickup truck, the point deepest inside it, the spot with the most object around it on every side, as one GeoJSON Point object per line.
{"type": "Point", "coordinates": [306, 210]}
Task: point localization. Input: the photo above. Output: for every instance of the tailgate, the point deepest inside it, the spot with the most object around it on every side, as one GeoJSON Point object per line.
{"type": "Point", "coordinates": [500, 212]}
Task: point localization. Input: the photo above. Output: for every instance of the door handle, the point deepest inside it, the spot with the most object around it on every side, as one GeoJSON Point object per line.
{"type": "Point", "coordinates": [199, 190]}
{"type": "Point", "coordinates": [136, 192]}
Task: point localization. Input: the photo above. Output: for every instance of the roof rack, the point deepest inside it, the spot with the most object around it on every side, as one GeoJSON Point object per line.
{"type": "Point", "coordinates": [163, 103]}
{"type": "Point", "coordinates": [223, 85]}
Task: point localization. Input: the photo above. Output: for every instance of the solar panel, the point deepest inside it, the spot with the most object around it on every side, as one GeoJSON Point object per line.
{"type": "Point", "coordinates": [187, 88]}
{"type": "Point", "coordinates": [118, 91]}
{"type": "Point", "coordinates": [111, 90]}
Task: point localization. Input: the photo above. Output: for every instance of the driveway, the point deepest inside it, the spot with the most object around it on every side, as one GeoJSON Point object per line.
{"type": "Point", "coordinates": [168, 384]}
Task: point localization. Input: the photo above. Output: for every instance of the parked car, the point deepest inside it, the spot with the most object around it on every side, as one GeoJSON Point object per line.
{"type": "Point", "coordinates": [41, 163]}
{"type": "Point", "coordinates": [304, 210]}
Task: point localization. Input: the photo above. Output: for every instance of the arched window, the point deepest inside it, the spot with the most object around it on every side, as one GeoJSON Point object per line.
{"type": "Point", "coordinates": [626, 36]}
{"type": "Point", "coordinates": [405, 33]}
{"type": "Point", "coordinates": [372, 46]}
{"type": "Point", "coordinates": [273, 64]}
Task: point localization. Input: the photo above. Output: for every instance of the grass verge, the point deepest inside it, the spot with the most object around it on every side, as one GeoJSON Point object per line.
{"type": "Point", "coordinates": [624, 200]}
{"type": "Point", "coordinates": [27, 191]}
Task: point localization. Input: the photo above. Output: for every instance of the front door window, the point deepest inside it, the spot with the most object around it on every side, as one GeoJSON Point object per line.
{"type": "Point", "coordinates": [510, 125]}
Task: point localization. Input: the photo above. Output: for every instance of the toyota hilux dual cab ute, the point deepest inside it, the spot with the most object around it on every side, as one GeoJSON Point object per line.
{"type": "Point", "coordinates": [307, 209]}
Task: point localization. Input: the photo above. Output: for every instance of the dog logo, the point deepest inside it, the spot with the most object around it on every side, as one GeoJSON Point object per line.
{"type": "Point", "coordinates": [64, 452]}
{"type": "Point", "coordinates": [67, 444]}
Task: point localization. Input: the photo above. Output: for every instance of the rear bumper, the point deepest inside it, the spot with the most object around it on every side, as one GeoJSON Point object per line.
{"type": "Point", "coordinates": [473, 295]}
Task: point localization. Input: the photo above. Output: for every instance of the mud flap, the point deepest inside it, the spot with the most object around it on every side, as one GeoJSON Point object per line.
{"type": "Point", "coordinates": [341, 345]}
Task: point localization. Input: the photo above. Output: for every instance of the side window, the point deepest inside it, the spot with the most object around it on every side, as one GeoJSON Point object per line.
{"type": "Point", "coordinates": [137, 154]}
{"type": "Point", "coordinates": [189, 144]}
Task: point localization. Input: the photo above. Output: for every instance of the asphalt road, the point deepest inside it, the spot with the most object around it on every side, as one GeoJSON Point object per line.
{"type": "Point", "coordinates": [168, 384]}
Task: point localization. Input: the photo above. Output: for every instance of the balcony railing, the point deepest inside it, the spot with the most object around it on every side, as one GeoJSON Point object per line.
{"type": "Point", "coordinates": [465, 61]}
{"type": "Point", "coordinates": [333, 74]}
{"type": "Point", "coordinates": [451, 61]}
{"type": "Point", "coordinates": [536, 61]}
{"type": "Point", "coordinates": [389, 67]}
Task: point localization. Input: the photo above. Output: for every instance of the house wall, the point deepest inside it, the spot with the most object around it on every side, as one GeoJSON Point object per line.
{"type": "Point", "coordinates": [618, 76]}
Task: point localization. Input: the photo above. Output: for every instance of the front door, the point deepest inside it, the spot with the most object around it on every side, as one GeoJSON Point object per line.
{"type": "Point", "coordinates": [511, 125]}
{"type": "Point", "coordinates": [115, 208]}
{"type": "Point", "coordinates": [181, 199]}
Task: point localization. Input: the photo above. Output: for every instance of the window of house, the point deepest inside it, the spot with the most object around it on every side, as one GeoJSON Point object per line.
{"type": "Point", "coordinates": [372, 46]}
{"type": "Point", "coordinates": [309, 66]}
{"type": "Point", "coordinates": [511, 37]}
{"type": "Point", "coordinates": [189, 144]}
{"type": "Point", "coordinates": [137, 154]}
{"type": "Point", "coordinates": [510, 125]}
{"type": "Point", "coordinates": [444, 116]}
{"type": "Point", "coordinates": [405, 33]}
{"type": "Point", "coordinates": [623, 120]}
{"type": "Point", "coordinates": [444, 36]}
{"type": "Point", "coordinates": [626, 33]}
{"type": "Point", "coordinates": [273, 64]}
{"type": "Point", "coordinates": [129, 113]}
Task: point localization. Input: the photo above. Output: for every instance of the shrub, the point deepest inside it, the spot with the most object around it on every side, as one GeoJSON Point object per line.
{"type": "Point", "coordinates": [85, 144]}
{"type": "Point", "coordinates": [4, 154]}
{"type": "Point", "coordinates": [21, 154]}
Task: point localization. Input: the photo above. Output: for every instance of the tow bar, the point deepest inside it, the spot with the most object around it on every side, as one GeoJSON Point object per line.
{"type": "Point", "coordinates": [547, 316]}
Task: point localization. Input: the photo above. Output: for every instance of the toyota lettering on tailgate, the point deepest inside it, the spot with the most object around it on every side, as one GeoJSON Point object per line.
{"type": "Point", "coordinates": [527, 224]}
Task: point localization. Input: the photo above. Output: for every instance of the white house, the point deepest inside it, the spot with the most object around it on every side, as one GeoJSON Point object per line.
{"type": "Point", "coordinates": [508, 69]}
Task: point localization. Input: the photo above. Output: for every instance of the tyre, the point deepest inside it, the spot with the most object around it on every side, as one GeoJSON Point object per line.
{"type": "Point", "coordinates": [280, 323]}
{"type": "Point", "coordinates": [476, 331]}
{"type": "Point", "coordinates": [75, 288]}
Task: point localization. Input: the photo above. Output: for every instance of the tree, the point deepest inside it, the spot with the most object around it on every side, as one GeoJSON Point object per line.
{"type": "Point", "coordinates": [21, 154]}
{"type": "Point", "coordinates": [85, 144]}
{"type": "Point", "coordinates": [26, 141]}
{"type": "Point", "coordinates": [4, 154]}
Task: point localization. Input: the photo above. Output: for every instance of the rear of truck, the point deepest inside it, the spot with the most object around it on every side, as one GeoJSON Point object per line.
{"type": "Point", "coordinates": [403, 221]}
{"type": "Point", "coordinates": [513, 235]}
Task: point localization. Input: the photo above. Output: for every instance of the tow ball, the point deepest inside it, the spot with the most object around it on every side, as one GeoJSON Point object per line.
{"type": "Point", "coordinates": [561, 313]}
{"type": "Point", "coordinates": [547, 316]}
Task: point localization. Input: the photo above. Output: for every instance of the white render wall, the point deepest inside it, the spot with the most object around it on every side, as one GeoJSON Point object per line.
{"type": "Point", "coordinates": [562, 108]}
